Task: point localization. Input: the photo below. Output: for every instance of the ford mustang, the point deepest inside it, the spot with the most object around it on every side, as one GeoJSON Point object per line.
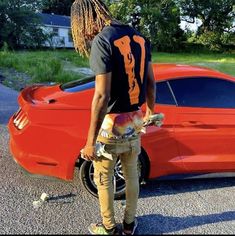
{"type": "Point", "coordinates": [197, 137]}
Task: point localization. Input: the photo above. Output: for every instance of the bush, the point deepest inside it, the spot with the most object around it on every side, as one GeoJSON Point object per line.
{"type": "Point", "coordinates": [8, 59]}
{"type": "Point", "coordinates": [5, 47]}
{"type": "Point", "coordinates": [46, 71]}
{"type": "Point", "coordinates": [66, 77]}
{"type": "Point", "coordinates": [212, 40]}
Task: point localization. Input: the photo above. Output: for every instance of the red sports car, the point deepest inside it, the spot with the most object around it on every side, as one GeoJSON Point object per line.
{"type": "Point", "coordinates": [197, 136]}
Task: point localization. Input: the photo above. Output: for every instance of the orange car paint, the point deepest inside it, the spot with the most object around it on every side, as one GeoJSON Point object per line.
{"type": "Point", "coordinates": [58, 124]}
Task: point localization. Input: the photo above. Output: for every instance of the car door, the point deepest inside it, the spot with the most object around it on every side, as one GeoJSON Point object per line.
{"type": "Point", "coordinates": [159, 142]}
{"type": "Point", "coordinates": [205, 123]}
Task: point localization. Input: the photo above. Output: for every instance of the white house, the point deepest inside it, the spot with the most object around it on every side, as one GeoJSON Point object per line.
{"type": "Point", "coordinates": [59, 27]}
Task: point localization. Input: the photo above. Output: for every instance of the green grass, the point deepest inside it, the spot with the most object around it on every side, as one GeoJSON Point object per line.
{"type": "Point", "coordinates": [58, 65]}
{"type": "Point", "coordinates": [218, 61]}
{"type": "Point", "coordinates": [44, 66]}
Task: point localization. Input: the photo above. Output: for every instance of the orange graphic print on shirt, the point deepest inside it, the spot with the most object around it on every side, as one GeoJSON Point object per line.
{"type": "Point", "coordinates": [141, 42]}
{"type": "Point", "coordinates": [123, 44]}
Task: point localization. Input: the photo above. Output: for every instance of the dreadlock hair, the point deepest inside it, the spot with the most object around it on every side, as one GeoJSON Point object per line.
{"type": "Point", "coordinates": [88, 17]}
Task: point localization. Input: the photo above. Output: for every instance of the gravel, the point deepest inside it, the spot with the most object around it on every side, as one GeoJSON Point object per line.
{"type": "Point", "coordinates": [14, 79]}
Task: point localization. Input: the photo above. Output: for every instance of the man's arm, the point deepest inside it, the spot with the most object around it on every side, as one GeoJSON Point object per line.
{"type": "Point", "coordinates": [98, 112]}
{"type": "Point", "coordinates": [150, 92]}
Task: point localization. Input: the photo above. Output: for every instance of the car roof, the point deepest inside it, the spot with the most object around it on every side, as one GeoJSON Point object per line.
{"type": "Point", "coordinates": [163, 71]}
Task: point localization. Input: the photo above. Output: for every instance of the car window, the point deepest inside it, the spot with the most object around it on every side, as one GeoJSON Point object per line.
{"type": "Point", "coordinates": [204, 92]}
{"type": "Point", "coordinates": [163, 94]}
{"type": "Point", "coordinates": [79, 85]}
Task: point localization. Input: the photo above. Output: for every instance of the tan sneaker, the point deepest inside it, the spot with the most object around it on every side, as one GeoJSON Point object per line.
{"type": "Point", "coordinates": [99, 229]}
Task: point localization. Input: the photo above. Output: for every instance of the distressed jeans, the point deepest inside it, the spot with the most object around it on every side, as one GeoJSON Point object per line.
{"type": "Point", "coordinates": [128, 152]}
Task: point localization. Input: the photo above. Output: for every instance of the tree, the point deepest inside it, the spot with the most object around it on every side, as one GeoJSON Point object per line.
{"type": "Point", "coordinates": [216, 16]}
{"type": "Point", "coordinates": [157, 20]}
{"type": "Point", "coordinates": [19, 24]}
{"type": "Point", "coordinates": [57, 6]}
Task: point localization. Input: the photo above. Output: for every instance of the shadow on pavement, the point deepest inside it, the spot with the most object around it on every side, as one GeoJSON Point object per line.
{"type": "Point", "coordinates": [159, 224]}
{"type": "Point", "coordinates": [171, 187]}
{"type": "Point", "coordinates": [63, 199]}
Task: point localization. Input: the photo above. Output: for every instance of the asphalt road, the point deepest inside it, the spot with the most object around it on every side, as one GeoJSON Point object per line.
{"type": "Point", "coordinates": [171, 207]}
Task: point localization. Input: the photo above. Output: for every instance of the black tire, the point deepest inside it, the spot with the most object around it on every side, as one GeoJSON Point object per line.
{"type": "Point", "coordinates": [87, 170]}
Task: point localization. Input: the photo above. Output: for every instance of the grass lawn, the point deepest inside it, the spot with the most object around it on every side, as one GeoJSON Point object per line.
{"type": "Point", "coordinates": [218, 61]}
{"type": "Point", "coordinates": [60, 65]}
{"type": "Point", "coordinates": [44, 66]}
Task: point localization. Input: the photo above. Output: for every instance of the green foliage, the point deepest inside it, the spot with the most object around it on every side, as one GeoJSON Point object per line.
{"type": "Point", "coordinates": [19, 24]}
{"type": "Point", "coordinates": [217, 20]}
{"type": "Point", "coordinates": [43, 66]}
{"type": "Point", "coordinates": [5, 47]}
{"type": "Point", "coordinates": [57, 6]}
{"type": "Point", "coordinates": [157, 20]}
{"type": "Point", "coordinates": [212, 40]}
{"type": "Point", "coordinates": [223, 62]}
{"type": "Point", "coordinates": [46, 72]}
{"type": "Point", "coordinates": [49, 66]}
{"type": "Point", "coordinates": [216, 16]}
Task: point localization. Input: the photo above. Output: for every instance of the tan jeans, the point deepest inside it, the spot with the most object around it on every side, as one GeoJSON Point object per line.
{"type": "Point", "coordinates": [103, 172]}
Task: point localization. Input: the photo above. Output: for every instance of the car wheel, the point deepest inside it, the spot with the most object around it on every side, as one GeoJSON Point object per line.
{"type": "Point", "coordinates": [86, 175]}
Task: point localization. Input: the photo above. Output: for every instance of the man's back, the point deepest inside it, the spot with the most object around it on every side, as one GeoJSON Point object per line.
{"type": "Point", "coordinates": [122, 50]}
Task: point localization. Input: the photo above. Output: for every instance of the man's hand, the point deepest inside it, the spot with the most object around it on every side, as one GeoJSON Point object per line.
{"type": "Point", "coordinates": [155, 119]}
{"type": "Point", "coordinates": [148, 114]}
{"type": "Point", "coordinates": [89, 153]}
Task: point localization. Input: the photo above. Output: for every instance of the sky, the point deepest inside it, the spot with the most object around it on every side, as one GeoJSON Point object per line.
{"type": "Point", "coordinates": [193, 27]}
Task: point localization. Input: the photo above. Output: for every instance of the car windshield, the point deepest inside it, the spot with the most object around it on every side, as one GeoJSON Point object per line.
{"type": "Point", "coordinates": [79, 85]}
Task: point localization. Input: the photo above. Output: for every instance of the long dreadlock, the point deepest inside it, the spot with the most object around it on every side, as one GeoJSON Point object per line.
{"type": "Point", "coordinates": [88, 17]}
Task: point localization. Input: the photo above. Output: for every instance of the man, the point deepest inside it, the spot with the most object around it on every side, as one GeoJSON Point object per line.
{"type": "Point", "coordinates": [120, 58]}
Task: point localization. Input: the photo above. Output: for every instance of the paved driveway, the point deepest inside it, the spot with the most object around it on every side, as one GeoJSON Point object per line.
{"type": "Point", "coordinates": [8, 103]}
{"type": "Point", "coordinates": [171, 207]}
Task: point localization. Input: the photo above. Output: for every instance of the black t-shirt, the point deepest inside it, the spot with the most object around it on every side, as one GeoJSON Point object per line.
{"type": "Point", "coordinates": [120, 49]}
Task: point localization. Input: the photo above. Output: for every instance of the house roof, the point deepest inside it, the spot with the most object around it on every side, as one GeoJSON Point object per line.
{"type": "Point", "coordinates": [55, 20]}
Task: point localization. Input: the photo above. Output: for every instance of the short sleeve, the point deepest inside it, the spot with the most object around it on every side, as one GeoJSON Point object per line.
{"type": "Point", "coordinates": [101, 56]}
